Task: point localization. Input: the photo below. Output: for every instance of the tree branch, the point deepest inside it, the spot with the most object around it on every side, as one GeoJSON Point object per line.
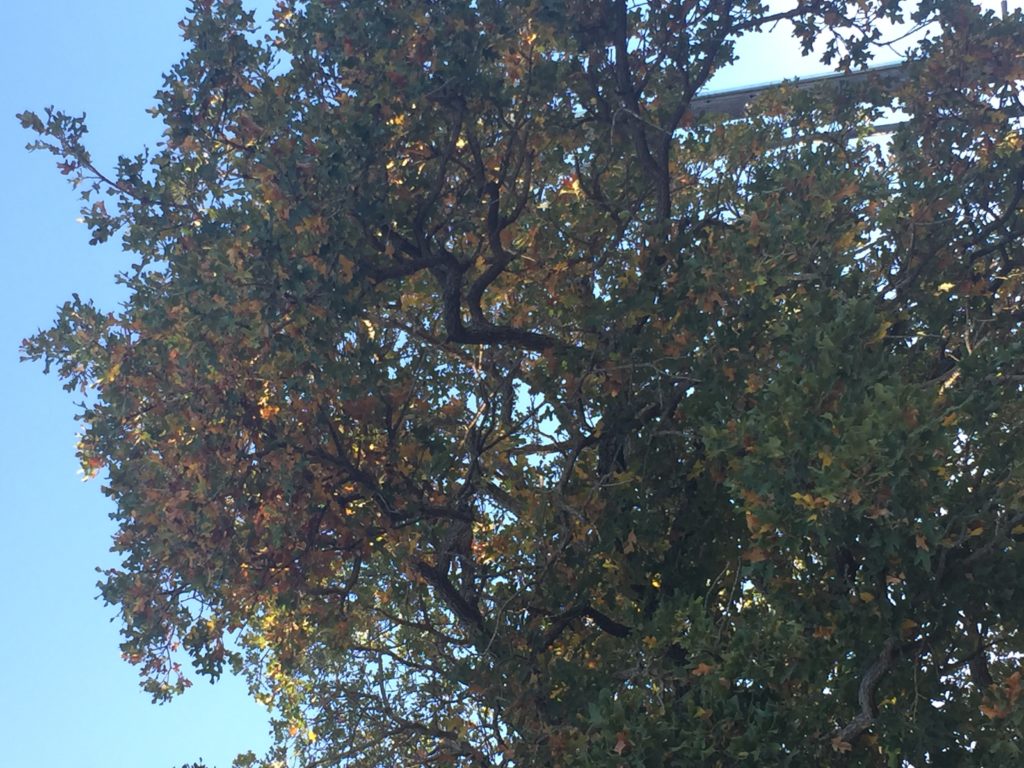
{"type": "Point", "coordinates": [463, 610]}
{"type": "Point", "coordinates": [866, 693]}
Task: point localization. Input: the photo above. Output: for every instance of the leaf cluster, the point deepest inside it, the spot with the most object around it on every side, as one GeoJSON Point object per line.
{"type": "Point", "coordinates": [486, 407]}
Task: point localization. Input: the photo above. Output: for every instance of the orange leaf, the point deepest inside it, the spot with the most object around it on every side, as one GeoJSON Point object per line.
{"type": "Point", "coordinates": [993, 713]}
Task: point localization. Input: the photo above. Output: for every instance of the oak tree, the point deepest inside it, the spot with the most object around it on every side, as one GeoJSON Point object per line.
{"type": "Point", "coordinates": [488, 405]}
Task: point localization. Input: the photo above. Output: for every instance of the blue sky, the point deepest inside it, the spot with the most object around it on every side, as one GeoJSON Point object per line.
{"type": "Point", "coordinates": [66, 698]}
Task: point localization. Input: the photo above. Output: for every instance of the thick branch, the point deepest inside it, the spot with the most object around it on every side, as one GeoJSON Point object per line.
{"type": "Point", "coordinates": [500, 258]}
{"type": "Point", "coordinates": [484, 333]}
{"type": "Point", "coordinates": [866, 693]}
{"type": "Point", "coordinates": [625, 87]}
{"type": "Point", "coordinates": [978, 661]}
{"type": "Point", "coordinates": [463, 610]}
{"type": "Point", "coordinates": [604, 623]}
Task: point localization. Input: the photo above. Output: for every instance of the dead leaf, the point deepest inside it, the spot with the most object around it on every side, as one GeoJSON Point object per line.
{"type": "Point", "coordinates": [841, 746]}
{"type": "Point", "coordinates": [755, 555]}
{"type": "Point", "coordinates": [622, 742]}
{"type": "Point", "coordinates": [993, 713]}
{"type": "Point", "coordinates": [630, 545]}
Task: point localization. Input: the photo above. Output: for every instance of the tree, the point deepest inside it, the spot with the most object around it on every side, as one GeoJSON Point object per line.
{"type": "Point", "coordinates": [487, 408]}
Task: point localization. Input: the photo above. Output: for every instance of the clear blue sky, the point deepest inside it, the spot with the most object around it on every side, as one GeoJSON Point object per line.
{"type": "Point", "coordinates": [66, 698]}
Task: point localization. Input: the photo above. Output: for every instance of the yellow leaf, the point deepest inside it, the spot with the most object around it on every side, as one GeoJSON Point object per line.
{"type": "Point", "coordinates": [883, 329]}
{"type": "Point", "coordinates": [946, 287]}
{"type": "Point", "coordinates": [1012, 141]}
{"type": "Point", "coordinates": [803, 499]}
{"type": "Point", "coordinates": [571, 187]}
{"type": "Point", "coordinates": [112, 373]}
{"type": "Point", "coordinates": [825, 457]}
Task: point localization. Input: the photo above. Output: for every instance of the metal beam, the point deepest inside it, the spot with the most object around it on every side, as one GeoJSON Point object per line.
{"type": "Point", "coordinates": [732, 104]}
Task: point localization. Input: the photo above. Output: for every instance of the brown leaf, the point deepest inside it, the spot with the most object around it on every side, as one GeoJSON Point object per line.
{"type": "Point", "coordinates": [622, 742]}
{"type": "Point", "coordinates": [841, 746]}
{"type": "Point", "coordinates": [993, 713]}
{"type": "Point", "coordinates": [755, 555]}
{"type": "Point", "coordinates": [630, 546]}
{"type": "Point", "coordinates": [1012, 686]}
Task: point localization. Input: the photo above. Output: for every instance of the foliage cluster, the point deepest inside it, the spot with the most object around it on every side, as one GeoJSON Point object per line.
{"type": "Point", "coordinates": [488, 408]}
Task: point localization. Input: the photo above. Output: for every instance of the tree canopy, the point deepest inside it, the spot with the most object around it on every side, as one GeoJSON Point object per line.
{"type": "Point", "coordinates": [486, 406]}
